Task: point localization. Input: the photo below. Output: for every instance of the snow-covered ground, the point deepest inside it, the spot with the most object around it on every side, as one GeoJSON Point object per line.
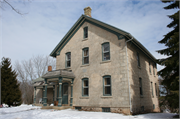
{"type": "Point", "coordinates": [34, 112]}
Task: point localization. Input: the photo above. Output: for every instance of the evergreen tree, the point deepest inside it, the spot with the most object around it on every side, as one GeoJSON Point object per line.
{"type": "Point", "coordinates": [170, 73]}
{"type": "Point", "coordinates": [10, 92]}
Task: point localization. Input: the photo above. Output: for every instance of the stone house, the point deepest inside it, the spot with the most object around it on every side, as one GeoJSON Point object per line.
{"type": "Point", "coordinates": [100, 68]}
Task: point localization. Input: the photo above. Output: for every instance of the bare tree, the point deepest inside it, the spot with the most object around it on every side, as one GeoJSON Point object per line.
{"type": "Point", "coordinates": [29, 70]}
{"type": "Point", "coordinates": [3, 3]}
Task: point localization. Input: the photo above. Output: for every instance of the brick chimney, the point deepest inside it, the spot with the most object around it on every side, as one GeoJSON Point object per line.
{"type": "Point", "coordinates": [87, 11]}
{"type": "Point", "coordinates": [49, 68]}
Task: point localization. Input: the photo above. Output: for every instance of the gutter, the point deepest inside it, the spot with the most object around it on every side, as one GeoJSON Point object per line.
{"type": "Point", "coordinates": [128, 74]}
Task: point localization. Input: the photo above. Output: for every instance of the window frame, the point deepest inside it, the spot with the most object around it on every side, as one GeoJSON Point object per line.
{"type": "Point", "coordinates": [85, 32]}
{"type": "Point", "coordinates": [152, 89]}
{"type": "Point", "coordinates": [154, 69]}
{"type": "Point", "coordinates": [156, 89]}
{"type": "Point", "coordinates": [66, 60]}
{"type": "Point", "coordinates": [140, 86]}
{"type": "Point", "coordinates": [85, 79]}
{"type": "Point", "coordinates": [85, 56]}
{"type": "Point", "coordinates": [149, 67]}
{"type": "Point", "coordinates": [138, 59]}
{"type": "Point", "coordinates": [107, 76]}
{"type": "Point", "coordinates": [105, 51]}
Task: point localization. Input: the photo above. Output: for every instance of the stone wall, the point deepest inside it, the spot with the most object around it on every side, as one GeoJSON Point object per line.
{"type": "Point", "coordinates": [97, 68]}
{"type": "Point", "coordinates": [136, 72]}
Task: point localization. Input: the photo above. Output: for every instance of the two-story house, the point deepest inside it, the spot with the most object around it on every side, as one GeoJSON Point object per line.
{"type": "Point", "coordinates": [100, 68]}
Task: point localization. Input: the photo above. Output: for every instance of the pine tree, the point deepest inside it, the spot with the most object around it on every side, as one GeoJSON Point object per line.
{"type": "Point", "coordinates": [10, 92]}
{"type": "Point", "coordinates": [170, 73]}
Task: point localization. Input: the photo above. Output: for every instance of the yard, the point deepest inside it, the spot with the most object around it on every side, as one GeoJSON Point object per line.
{"type": "Point", "coordinates": [34, 112]}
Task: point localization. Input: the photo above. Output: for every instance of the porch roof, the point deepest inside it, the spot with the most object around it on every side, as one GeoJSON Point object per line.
{"type": "Point", "coordinates": [59, 73]}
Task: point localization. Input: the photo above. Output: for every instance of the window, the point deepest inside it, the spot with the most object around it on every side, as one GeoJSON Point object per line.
{"type": "Point", "coordinates": [105, 51]}
{"type": "Point", "coordinates": [149, 67]}
{"type": "Point", "coordinates": [107, 109]}
{"type": "Point", "coordinates": [156, 88]}
{"type": "Point", "coordinates": [154, 69]}
{"type": "Point", "coordinates": [85, 87]}
{"type": "Point", "coordinates": [140, 86]}
{"type": "Point", "coordinates": [77, 108]}
{"type": "Point", "coordinates": [86, 56]}
{"type": "Point", "coordinates": [152, 88]}
{"type": "Point", "coordinates": [68, 59]}
{"type": "Point", "coordinates": [85, 32]}
{"type": "Point", "coordinates": [142, 108]}
{"type": "Point", "coordinates": [107, 85]}
{"type": "Point", "coordinates": [153, 106]}
{"type": "Point", "coordinates": [138, 60]}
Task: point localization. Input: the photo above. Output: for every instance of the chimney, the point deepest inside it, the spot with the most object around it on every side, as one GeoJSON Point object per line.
{"type": "Point", "coordinates": [87, 11]}
{"type": "Point", "coordinates": [49, 68]}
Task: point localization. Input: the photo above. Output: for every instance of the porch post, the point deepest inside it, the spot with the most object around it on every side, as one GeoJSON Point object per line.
{"type": "Point", "coordinates": [34, 95]}
{"type": "Point", "coordinates": [45, 94]}
{"type": "Point", "coordinates": [60, 98]}
{"type": "Point", "coordinates": [53, 93]}
{"type": "Point", "coordinates": [57, 93]}
{"type": "Point", "coordinates": [71, 103]}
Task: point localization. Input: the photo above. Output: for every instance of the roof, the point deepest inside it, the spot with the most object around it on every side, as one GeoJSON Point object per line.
{"type": "Point", "coordinates": [119, 32]}
{"type": "Point", "coordinates": [38, 79]}
{"type": "Point", "coordinates": [59, 73]}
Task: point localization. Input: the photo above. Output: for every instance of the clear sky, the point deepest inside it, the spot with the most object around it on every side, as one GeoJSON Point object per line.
{"type": "Point", "coordinates": [47, 21]}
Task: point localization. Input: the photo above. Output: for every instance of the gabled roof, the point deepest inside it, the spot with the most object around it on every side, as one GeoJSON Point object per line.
{"type": "Point", "coordinates": [120, 34]}
{"type": "Point", "coordinates": [38, 79]}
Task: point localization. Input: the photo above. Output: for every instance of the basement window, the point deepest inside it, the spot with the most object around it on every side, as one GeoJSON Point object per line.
{"type": "Point", "coordinates": [106, 109]}
{"type": "Point", "coordinates": [77, 108]}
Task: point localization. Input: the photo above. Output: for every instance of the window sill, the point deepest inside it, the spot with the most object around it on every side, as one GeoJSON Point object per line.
{"type": "Point", "coordinates": [68, 68]}
{"type": "Point", "coordinates": [139, 67]}
{"type": "Point", "coordinates": [84, 65]}
{"type": "Point", "coordinates": [106, 96]}
{"type": "Point", "coordinates": [85, 97]}
{"type": "Point", "coordinates": [85, 39]}
{"type": "Point", "coordinates": [106, 61]}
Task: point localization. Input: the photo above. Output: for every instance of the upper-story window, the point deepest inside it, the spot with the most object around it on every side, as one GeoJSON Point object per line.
{"type": "Point", "coordinates": [68, 59]}
{"type": "Point", "coordinates": [149, 67]}
{"type": "Point", "coordinates": [152, 89]}
{"type": "Point", "coordinates": [154, 69]}
{"type": "Point", "coordinates": [138, 59]}
{"type": "Point", "coordinates": [156, 89]}
{"type": "Point", "coordinates": [107, 85]}
{"type": "Point", "coordinates": [85, 87]}
{"type": "Point", "coordinates": [85, 56]}
{"type": "Point", "coordinates": [105, 51]}
{"type": "Point", "coordinates": [85, 32]}
{"type": "Point", "coordinates": [140, 86]}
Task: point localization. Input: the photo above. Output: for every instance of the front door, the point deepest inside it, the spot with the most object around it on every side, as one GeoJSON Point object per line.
{"type": "Point", "coordinates": [65, 93]}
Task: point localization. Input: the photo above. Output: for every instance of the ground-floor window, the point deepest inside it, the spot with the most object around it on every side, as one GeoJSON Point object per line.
{"type": "Point", "coordinates": [107, 85]}
{"type": "Point", "coordinates": [85, 87]}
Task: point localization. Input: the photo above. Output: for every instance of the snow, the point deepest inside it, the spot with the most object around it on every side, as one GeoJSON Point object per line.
{"type": "Point", "coordinates": [34, 112]}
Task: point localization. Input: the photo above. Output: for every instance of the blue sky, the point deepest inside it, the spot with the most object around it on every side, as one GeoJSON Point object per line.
{"type": "Point", "coordinates": [47, 21]}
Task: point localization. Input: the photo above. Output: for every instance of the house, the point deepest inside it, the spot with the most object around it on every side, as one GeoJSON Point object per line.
{"type": "Point", "coordinates": [100, 68]}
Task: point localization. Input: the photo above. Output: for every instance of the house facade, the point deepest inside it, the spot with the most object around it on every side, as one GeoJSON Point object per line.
{"type": "Point", "coordinates": [100, 68]}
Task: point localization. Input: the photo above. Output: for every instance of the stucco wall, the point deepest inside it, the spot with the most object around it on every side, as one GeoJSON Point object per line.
{"type": "Point", "coordinates": [96, 69]}
{"type": "Point", "coordinates": [142, 72]}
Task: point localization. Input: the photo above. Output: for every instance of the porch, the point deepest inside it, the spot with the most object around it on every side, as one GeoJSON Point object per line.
{"type": "Point", "coordinates": [57, 88]}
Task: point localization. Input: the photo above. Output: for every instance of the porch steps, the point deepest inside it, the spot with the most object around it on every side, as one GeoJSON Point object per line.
{"type": "Point", "coordinates": [56, 107]}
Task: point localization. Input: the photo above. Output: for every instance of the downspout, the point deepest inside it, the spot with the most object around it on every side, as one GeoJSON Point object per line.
{"type": "Point", "coordinates": [128, 74]}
